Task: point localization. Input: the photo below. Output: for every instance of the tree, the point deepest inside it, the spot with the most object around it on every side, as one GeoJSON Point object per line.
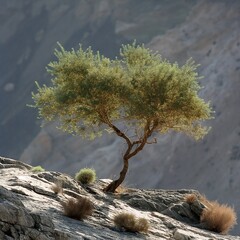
{"type": "Point", "coordinates": [136, 96]}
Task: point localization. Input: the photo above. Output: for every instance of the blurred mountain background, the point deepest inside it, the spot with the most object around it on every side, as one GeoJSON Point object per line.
{"type": "Point", "coordinates": [207, 31]}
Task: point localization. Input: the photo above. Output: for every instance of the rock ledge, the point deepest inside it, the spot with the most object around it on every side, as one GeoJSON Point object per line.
{"type": "Point", "coordinates": [29, 209]}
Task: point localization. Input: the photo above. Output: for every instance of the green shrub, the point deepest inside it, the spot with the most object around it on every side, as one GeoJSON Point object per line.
{"type": "Point", "coordinates": [37, 169]}
{"type": "Point", "coordinates": [78, 208]}
{"type": "Point", "coordinates": [86, 176]}
{"type": "Point", "coordinates": [131, 223]}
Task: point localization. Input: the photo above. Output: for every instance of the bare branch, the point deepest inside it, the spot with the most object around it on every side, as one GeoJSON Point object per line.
{"type": "Point", "coordinates": [148, 130]}
{"type": "Point", "coordinates": [137, 142]}
{"type": "Point", "coordinates": [104, 116]}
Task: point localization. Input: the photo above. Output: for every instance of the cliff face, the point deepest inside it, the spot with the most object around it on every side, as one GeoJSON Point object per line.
{"type": "Point", "coordinates": [29, 32]}
{"type": "Point", "coordinates": [29, 209]}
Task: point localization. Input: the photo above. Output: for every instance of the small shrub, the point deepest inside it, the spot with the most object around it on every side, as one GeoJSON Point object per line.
{"type": "Point", "coordinates": [142, 225]}
{"type": "Point", "coordinates": [215, 217]}
{"type": "Point", "coordinates": [131, 223]}
{"type": "Point", "coordinates": [218, 217]}
{"type": "Point", "coordinates": [86, 176]}
{"type": "Point", "coordinates": [78, 208]}
{"type": "Point", "coordinates": [37, 169]}
{"type": "Point", "coordinates": [121, 189]}
{"type": "Point", "coordinates": [190, 198]}
{"type": "Point", "coordinates": [57, 187]}
{"type": "Point", "coordinates": [203, 199]}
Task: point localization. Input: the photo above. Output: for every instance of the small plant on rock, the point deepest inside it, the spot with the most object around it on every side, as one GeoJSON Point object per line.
{"type": "Point", "coordinates": [57, 187]}
{"type": "Point", "coordinates": [215, 217]}
{"type": "Point", "coordinates": [131, 223]}
{"type": "Point", "coordinates": [190, 198]}
{"type": "Point", "coordinates": [121, 189]}
{"type": "Point", "coordinates": [78, 208]}
{"type": "Point", "coordinates": [37, 169]}
{"type": "Point", "coordinates": [86, 176]}
{"type": "Point", "coordinates": [218, 217]}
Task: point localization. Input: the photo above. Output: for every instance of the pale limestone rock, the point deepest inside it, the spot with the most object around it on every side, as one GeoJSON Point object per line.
{"type": "Point", "coordinates": [30, 210]}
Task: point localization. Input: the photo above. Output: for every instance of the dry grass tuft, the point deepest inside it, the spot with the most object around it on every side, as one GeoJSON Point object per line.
{"type": "Point", "coordinates": [78, 208]}
{"type": "Point", "coordinates": [121, 189]}
{"type": "Point", "coordinates": [57, 188]}
{"type": "Point", "coordinates": [215, 217]}
{"type": "Point", "coordinates": [131, 223]}
{"type": "Point", "coordinates": [190, 198]}
{"type": "Point", "coordinates": [205, 201]}
{"type": "Point", "coordinates": [218, 217]}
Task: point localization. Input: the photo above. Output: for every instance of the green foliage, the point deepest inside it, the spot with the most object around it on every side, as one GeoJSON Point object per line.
{"type": "Point", "coordinates": [131, 223]}
{"type": "Point", "coordinates": [37, 169]}
{"type": "Point", "coordinates": [90, 92]}
{"type": "Point", "coordinates": [86, 176]}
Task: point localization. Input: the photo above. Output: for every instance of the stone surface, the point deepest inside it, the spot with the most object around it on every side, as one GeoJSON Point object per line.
{"type": "Point", "coordinates": [30, 210]}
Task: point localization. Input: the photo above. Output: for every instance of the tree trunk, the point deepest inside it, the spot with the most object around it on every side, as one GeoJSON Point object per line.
{"type": "Point", "coordinates": [140, 143]}
{"type": "Point", "coordinates": [114, 184]}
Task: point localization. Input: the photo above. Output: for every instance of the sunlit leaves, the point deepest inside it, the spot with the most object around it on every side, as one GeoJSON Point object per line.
{"type": "Point", "coordinates": [90, 91]}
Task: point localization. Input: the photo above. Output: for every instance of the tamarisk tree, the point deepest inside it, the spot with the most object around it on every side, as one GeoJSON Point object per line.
{"type": "Point", "coordinates": [135, 97]}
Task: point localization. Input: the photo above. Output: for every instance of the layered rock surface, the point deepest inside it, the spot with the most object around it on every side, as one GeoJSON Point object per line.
{"type": "Point", "coordinates": [29, 209]}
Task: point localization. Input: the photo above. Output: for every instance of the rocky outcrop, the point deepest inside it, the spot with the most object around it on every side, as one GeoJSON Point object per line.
{"type": "Point", "coordinates": [29, 209]}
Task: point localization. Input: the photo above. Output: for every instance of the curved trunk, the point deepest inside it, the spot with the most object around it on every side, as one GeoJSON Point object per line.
{"type": "Point", "coordinates": [114, 184]}
{"type": "Point", "coordinates": [140, 143]}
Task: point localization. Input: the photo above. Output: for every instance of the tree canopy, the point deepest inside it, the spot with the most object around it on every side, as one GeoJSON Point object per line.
{"type": "Point", "coordinates": [89, 92]}
{"type": "Point", "coordinates": [140, 92]}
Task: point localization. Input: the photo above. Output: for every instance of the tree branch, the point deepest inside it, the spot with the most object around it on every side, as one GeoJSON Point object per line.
{"type": "Point", "coordinates": [148, 130]}
{"type": "Point", "coordinates": [120, 134]}
{"type": "Point", "coordinates": [104, 117]}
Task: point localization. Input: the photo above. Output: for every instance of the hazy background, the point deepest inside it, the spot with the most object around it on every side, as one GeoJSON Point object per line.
{"type": "Point", "coordinates": [207, 31]}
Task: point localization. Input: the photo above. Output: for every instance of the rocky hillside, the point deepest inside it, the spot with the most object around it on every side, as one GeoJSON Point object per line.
{"type": "Point", "coordinates": [29, 209]}
{"type": "Point", "coordinates": [210, 35]}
